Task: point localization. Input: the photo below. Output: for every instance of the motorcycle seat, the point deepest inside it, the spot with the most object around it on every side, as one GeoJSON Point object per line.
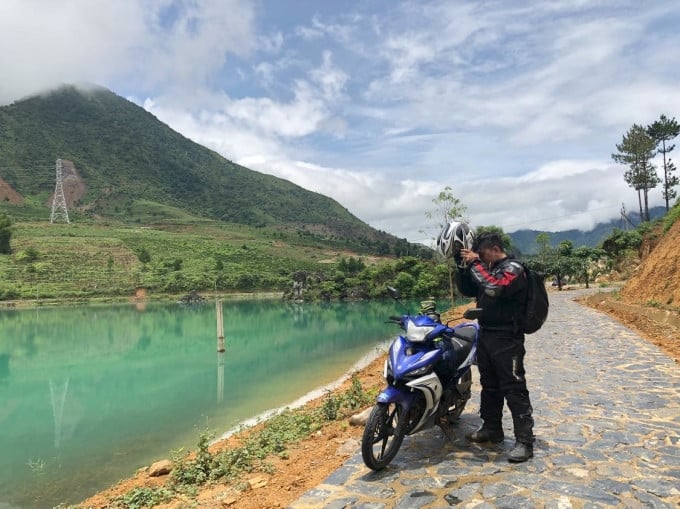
{"type": "Point", "coordinates": [466, 333]}
{"type": "Point", "coordinates": [462, 341]}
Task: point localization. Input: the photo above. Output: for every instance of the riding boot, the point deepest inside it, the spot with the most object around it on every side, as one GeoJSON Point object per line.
{"type": "Point", "coordinates": [523, 424]}
{"type": "Point", "coordinates": [521, 452]}
{"type": "Point", "coordinates": [486, 434]}
{"type": "Point", "coordinates": [491, 411]}
{"type": "Point", "coordinates": [522, 420]}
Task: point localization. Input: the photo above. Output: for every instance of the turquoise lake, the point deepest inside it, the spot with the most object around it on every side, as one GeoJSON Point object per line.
{"type": "Point", "coordinates": [89, 394]}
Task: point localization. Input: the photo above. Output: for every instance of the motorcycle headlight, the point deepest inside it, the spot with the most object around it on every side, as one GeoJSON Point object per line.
{"type": "Point", "coordinates": [420, 371]}
{"type": "Point", "coordinates": [417, 333]}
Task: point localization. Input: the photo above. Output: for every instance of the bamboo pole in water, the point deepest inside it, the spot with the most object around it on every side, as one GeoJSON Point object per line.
{"type": "Point", "coordinates": [220, 326]}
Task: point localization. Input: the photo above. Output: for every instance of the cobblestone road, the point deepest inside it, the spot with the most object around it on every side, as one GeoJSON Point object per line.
{"type": "Point", "coordinates": [607, 411]}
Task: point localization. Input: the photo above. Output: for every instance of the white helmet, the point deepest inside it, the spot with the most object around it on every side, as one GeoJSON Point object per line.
{"type": "Point", "coordinates": [454, 237]}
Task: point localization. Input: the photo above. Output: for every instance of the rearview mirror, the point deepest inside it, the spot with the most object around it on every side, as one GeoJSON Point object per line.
{"type": "Point", "coordinates": [472, 313]}
{"type": "Point", "coordinates": [394, 293]}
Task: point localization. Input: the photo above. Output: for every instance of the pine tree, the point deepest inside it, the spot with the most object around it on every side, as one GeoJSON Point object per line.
{"type": "Point", "coordinates": [661, 131]}
{"type": "Point", "coordinates": [5, 234]}
{"type": "Point", "coordinates": [637, 150]}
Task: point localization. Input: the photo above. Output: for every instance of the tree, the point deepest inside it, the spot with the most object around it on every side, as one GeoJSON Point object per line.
{"type": "Point", "coordinates": [636, 150]}
{"type": "Point", "coordinates": [447, 208]}
{"type": "Point", "coordinates": [661, 131]}
{"type": "Point", "coordinates": [5, 234]}
{"type": "Point", "coordinates": [143, 255]}
{"type": "Point", "coordinates": [584, 258]}
{"type": "Point", "coordinates": [544, 249]}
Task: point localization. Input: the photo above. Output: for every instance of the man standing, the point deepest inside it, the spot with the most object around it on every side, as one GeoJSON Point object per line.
{"type": "Point", "coordinates": [499, 284]}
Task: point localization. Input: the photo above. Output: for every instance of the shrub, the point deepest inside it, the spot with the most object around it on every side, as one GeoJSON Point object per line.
{"type": "Point", "coordinates": [139, 498]}
{"type": "Point", "coordinates": [28, 255]}
{"type": "Point", "coordinates": [671, 217]}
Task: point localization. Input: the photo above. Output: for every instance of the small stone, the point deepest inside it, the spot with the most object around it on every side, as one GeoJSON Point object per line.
{"type": "Point", "coordinates": [360, 418]}
{"type": "Point", "coordinates": [257, 482]}
{"type": "Point", "coordinates": [162, 467]}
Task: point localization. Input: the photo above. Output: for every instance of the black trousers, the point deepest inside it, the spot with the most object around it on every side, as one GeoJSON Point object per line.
{"type": "Point", "coordinates": [500, 359]}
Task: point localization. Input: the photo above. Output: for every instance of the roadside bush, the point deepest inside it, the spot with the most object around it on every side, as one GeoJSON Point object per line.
{"type": "Point", "coordinates": [671, 217]}
{"type": "Point", "coordinates": [28, 255]}
{"type": "Point", "coordinates": [139, 498]}
{"type": "Point", "coordinates": [9, 292]}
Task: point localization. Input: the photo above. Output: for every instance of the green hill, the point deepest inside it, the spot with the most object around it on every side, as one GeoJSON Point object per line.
{"type": "Point", "coordinates": [133, 168]}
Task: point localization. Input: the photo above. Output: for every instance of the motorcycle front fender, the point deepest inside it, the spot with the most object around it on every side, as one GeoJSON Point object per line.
{"type": "Point", "coordinates": [393, 395]}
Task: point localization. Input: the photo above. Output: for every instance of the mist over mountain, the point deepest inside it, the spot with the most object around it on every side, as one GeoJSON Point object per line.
{"type": "Point", "coordinates": [525, 240]}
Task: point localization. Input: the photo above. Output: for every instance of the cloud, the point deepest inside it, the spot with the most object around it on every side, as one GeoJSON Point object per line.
{"type": "Point", "coordinates": [57, 42]}
{"type": "Point", "coordinates": [515, 105]}
{"type": "Point", "coordinates": [144, 44]}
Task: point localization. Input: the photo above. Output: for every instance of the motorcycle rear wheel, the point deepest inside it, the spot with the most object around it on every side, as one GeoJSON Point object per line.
{"type": "Point", "coordinates": [463, 388]}
{"type": "Point", "coordinates": [384, 432]}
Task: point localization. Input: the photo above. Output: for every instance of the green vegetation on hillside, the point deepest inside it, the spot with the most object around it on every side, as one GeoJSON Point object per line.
{"type": "Point", "coordinates": [136, 169]}
{"type": "Point", "coordinates": [93, 260]}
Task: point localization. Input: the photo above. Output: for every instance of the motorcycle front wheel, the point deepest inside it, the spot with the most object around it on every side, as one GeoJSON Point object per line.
{"type": "Point", "coordinates": [383, 435]}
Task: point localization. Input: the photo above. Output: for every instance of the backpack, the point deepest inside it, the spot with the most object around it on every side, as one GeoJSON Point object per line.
{"type": "Point", "coordinates": [536, 308]}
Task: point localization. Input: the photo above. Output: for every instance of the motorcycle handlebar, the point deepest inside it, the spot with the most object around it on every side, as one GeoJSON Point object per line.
{"type": "Point", "coordinates": [395, 319]}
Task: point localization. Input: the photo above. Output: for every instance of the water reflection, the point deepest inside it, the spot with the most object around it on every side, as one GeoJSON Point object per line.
{"type": "Point", "coordinates": [4, 367]}
{"type": "Point", "coordinates": [220, 376]}
{"type": "Point", "coordinates": [89, 394]}
{"type": "Point", "coordinates": [58, 398]}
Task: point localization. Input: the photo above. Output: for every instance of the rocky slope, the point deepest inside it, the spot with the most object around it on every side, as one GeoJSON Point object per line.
{"type": "Point", "coordinates": [656, 282]}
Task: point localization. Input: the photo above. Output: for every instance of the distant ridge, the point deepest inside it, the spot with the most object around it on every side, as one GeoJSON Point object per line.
{"type": "Point", "coordinates": [525, 240]}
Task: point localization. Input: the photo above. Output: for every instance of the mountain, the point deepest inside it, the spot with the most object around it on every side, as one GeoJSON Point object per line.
{"type": "Point", "coordinates": [525, 240]}
{"type": "Point", "coordinates": [120, 158]}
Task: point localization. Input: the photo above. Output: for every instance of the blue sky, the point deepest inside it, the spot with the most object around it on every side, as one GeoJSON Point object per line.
{"type": "Point", "coordinates": [515, 105]}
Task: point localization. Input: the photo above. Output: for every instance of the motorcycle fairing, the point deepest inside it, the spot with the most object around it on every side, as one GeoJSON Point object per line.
{"type": "Point", "coordinates": [431, 388]}
{"type": "Point", "coordinates": [402, 364]}
{"type": "Point", "coordinates": [470, 331]}
{"type": "Point", "coordinates": [391, 394]}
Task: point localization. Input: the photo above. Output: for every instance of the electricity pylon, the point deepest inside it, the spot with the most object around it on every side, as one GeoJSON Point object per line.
{"type": "Point", "coordinates": [59, 201]}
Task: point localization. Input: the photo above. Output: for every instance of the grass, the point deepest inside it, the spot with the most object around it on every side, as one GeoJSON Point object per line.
{"type": "Point", "coordinates": [86, 260]}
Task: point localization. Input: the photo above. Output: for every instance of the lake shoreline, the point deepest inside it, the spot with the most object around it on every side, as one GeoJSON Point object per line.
{"type": "Point", "coordinates": [164, 298]}
{"type": "Point", "coordinates": [312, 395]}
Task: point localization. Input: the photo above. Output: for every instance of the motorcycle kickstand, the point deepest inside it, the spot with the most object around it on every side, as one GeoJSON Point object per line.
{"type": "Point", "coordinates": [447, 429]}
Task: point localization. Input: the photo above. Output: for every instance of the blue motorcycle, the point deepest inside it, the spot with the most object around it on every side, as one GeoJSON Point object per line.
{"type": "Point", "coordinates": [428, 382]}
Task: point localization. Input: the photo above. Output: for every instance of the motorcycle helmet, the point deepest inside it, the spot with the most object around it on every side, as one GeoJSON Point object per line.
{"type": "Point", "coordinates": [454, 236]}
{"type": "Point", "coordinates": [428, 306]}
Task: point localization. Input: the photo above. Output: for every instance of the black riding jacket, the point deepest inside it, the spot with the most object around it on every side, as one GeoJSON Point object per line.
{"type": "Point", "coordinates": [500, 291]}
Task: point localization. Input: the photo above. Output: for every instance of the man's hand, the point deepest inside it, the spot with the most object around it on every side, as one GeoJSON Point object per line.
{"type": "Point", "coordinates": [468, 256]}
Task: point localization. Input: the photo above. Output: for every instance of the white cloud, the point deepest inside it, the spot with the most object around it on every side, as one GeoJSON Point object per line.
{"type": "Point", "coordinates": [175, 44]}
{"type": "Point", "coordinates": [56, 42]}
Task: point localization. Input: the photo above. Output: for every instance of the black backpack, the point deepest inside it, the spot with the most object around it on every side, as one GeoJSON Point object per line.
{"type": "Point", "coordinates": [536, 309]}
